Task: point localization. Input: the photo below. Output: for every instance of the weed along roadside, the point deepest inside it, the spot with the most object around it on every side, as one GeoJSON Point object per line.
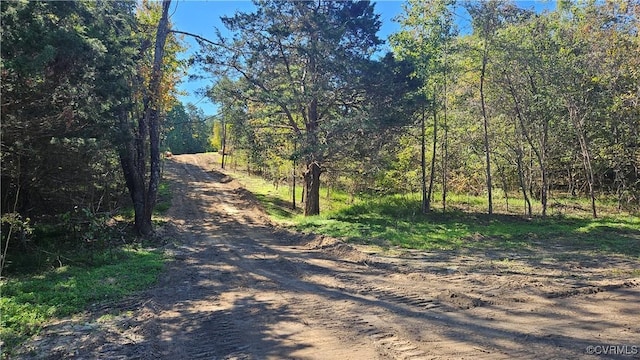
{"type": "Point", "coordinates": [394, 222]}
{"type": "Point", "coordinates": [30, 301]}
{"type": "Point", "coordinates": [66, 281]}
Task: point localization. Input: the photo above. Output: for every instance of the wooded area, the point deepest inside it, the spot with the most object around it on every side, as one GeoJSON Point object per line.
{"type": "Point", "coordinates": [530, 105]}
{"type": "Point", "coordinates": [544, 105]}
{"type": "Point", "coordinates": [85, 86]}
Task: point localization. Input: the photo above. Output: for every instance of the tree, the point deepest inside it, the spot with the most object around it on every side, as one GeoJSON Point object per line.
{"type": "Point", "coordinates": [591, 38]}
{"type": "Point", "coordinates": [141, 138]}
{"type": "Point", "coordinates": [62, 65]}
{"type": "Point", "coordinates": [301, 58]}
{"type": "Point", "coordinates": [365, 135]}
{"type": "Point", "coordinates": [187, 130]}
{"type": "Point", "coordinates": [487, 18]}
{"type": "Point", "coordinates": [427, 31]}
{"type": "Point", "coordinates": [534, 107]}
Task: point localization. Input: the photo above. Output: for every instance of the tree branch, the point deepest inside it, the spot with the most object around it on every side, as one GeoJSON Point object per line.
{"type": "Point", "coordinates": [197, 37]}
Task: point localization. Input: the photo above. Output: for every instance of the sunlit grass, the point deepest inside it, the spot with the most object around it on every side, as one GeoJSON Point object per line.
{"type": "Point", "coordinates": [28, 302]}
{"type": "Point", "coordinates": [396, 221]}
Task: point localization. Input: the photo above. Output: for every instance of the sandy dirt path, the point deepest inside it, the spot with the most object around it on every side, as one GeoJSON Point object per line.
{"type": "Point", "coordinates": [241, 288]}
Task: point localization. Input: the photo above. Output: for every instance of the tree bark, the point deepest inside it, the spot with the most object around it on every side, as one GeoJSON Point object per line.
{"type": "Point", "coordinates": [485, 119]}
{"type": "Point", "coordinates": [445, 141]}
{"type": "Point", "coordinates": [432, 175]}
{"type": "Point", "coordinates": [312, 173]}
{"type": "Point", "coordinates": [293, 175]}
{"type": "Point", "coordinates": [153, 116]}
{"type": "Point", "coordinates": [523, 185]}
{"type": "Point", "coordinates": [133, 153]}
{"type": "Point", "coordinates": [540, 153]}
{"type": "Point", "coordinates": [223, 130]}
{"type": "Point", "coordinates": [586, 156]}
{"type": "Point", "coordinates": [312, 189]}
{"type": "Point", "coordinates": [423, 164]}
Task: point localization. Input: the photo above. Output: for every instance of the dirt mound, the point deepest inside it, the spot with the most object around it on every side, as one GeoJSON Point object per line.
{"type": "Point", "coordinates": [220, 177]}
{"type": "Point", "coordinates": [336, 247]}
{"type": "Point", "coordinates": [458, 300]}
{"type": "Point", "coordinates": [592, 289]}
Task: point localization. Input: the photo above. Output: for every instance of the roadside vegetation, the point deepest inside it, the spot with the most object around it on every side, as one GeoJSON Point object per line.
{"type": "Point", "coordinates": [29, 301]}
{"type": "Point", "coordinates": [83, 261]}
{"type": "Point", "coordinates": [395, 222]}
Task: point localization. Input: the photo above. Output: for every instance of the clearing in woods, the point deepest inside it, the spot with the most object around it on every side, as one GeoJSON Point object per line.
{"type": "Point", "coordinates": [240, 288]}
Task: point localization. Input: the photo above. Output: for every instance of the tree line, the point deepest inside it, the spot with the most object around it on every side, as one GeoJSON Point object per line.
{"type": "Point", "coordinates": [535, 104]}
{"type": "Point", "coordinates": [85, 89]}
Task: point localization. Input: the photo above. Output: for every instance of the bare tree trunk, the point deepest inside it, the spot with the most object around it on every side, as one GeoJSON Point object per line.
{"type": "Point", "coordinates": [433, 156]}
{"type": "Point", "coordinates": [505, 187]}
{"type": "Point", "coordinates": [540, 153]}
{"type": "Point", "coordinates": [133, 173]}
{"type": "Point", "coordinates": [586, 156]}
{"type": "Point", "coordinates": [423, 164]}
{"type": "Point", "coordinates": [313, 170]}
{"type": "Point", "coordinates": [523, 186]}
{"type": "Point", "coordinates": [543, 166]}
{"type": "Point", "coordinates": [153, 114]}
{"type": "Point", "coordinates": [521, 178]}
{"type": "Point", "coordinates": [223, 128]}
{"type": "Point", "coordinates": [133, 153]}
{"type": "Point", "coordinates": [293, 175]}
{"type": "Point", "coordinates": [312, 189]}
{"type": "Point", "coordinates": [486, 128]}
{"type": "Point", "coordinates": [445, 142]}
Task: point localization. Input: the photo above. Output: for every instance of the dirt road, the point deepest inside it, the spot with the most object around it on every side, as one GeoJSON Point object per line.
{"type": "Point", "coordinates": [240, 288]}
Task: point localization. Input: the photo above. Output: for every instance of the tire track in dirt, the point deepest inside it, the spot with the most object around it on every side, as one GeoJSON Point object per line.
{"type": "Point", "coordinates": [330, 312]}
{"type": "Point", "coordinates": [388, 342]}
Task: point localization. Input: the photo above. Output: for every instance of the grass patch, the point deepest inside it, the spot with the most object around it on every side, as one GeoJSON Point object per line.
{"type": "Point", "coordinates": [71, 261]}
{"type": "Point", "coordinates": [164, 198]}
{"type": "Point", "coordinates": [393, 221]}
{"type": "Point", "coordinates": [28, 302]}
{"type": "Point", "coordinates": [396, 221]}
{"type": "Point", "coordinates": [277, 201]}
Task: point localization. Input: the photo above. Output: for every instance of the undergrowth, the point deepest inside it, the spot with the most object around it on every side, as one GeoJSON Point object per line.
{"type": "Point", "coordinates": [28, 302]}
{"type": "Point", "coordinates": [70, 262]}
{"type": "Point", "coordinates": [396, 221]}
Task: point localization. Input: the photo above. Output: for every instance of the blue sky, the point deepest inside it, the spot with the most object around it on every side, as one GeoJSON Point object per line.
{"type": "Point", "coordinates": [203, 17]}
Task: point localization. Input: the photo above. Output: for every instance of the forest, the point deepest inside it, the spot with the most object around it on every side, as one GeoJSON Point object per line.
{"type": "Point", "coordinates": [530, 106]}
{"type": "Point", "coordinates": [526, 107]}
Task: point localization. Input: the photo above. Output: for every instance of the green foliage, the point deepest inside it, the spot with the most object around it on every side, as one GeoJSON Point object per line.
{"type": "Point", "coordinates": [164, 199]}
{"type": "Point", "coordinates": [14, 227]}
{"type": "Point", "coordinates": [28, 302]}
{"type": "Point", "coordinates": [395, 221]}
{"type": "Point", "coordinates": [56, 117]}
{"type": "Point", "coordinates": [187, 130]}
{"type": "Point", "coordinates": [303, 98]}
{"type": "Point", "coordinates": [85, 227]}
{"type": "Point", "coordinates": [551, 117]}
{"type": "Point", "coordinates": [427, 31]}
